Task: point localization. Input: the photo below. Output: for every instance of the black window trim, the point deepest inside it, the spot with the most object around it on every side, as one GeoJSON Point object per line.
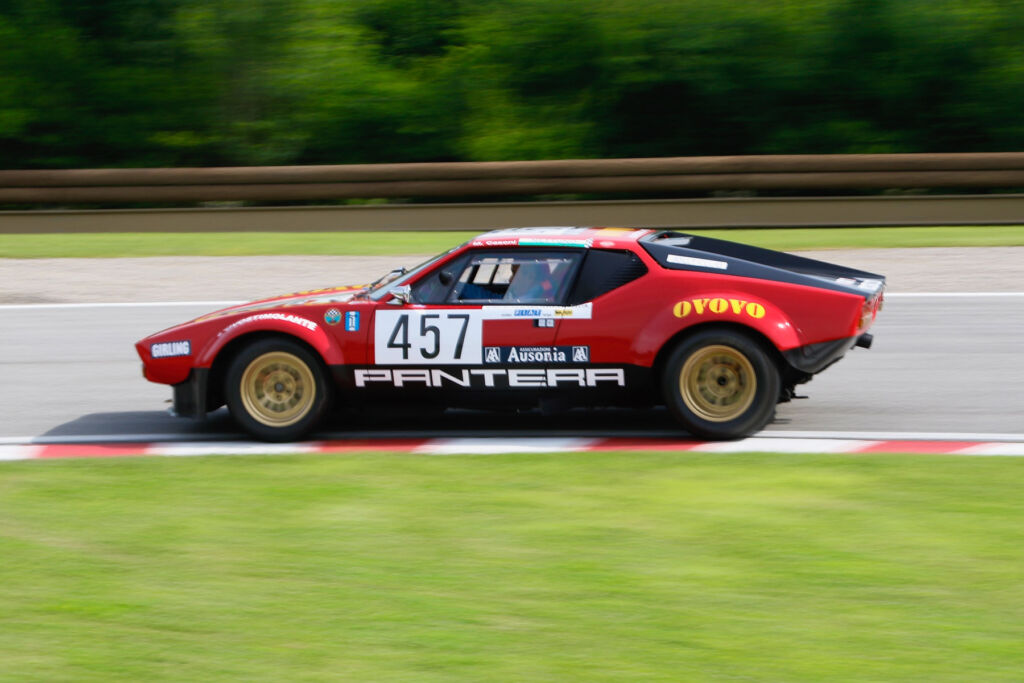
{"type": "Point", "coordinates": [462, 260]}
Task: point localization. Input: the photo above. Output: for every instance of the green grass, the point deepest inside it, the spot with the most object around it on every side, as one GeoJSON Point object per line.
{"type": "Point", "coordinates": [386, 243]}
{"type": "Point", "coordinates": [592, 567]}
{"type": "Point", "coordinates": [228, 244]}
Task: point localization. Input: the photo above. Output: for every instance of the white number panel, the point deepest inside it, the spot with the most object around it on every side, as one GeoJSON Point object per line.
{"type": "Point", "coordinates": [428, 337]}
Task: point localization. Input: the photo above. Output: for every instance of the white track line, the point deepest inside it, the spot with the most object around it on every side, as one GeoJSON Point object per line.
{"type": "Point", "coordinates": [490, 446]}
{"type": "Point", "coordinates": [952, 295]}
{"type": "Point", "coordinates": [18, 452]}
{"type": "Point", "coordinates": [110, 438]}
{"type": "Point", "coordinates": [154, 304]}
{"type": "Point", "coordinates": [476, 447]}
{"type": "Point", "coordinates": [472, 444]}
{"type": "Point", "coordinates": [995, 449]}
{"type": "Point", "coordinates": [123, 304]}
{"type": "Point", "coordinates": [759, 444]}
{"type": "Point", "coordinates": [894, 436]}
{"type": "Point", "coordinates": [229, 448]}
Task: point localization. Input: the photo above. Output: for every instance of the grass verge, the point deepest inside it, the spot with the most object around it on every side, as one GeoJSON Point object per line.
{"type": "Point", "coordinates": [596, 566]}
{"type": "Point", "coordinates": [386, 243]}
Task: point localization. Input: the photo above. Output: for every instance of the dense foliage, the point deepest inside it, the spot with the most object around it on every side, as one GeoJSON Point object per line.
{"type": "Point", "coordinates": [238, 82]}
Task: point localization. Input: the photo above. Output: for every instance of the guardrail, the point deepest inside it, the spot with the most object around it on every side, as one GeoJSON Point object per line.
{"type": "Point", "coordinates": [747, 212]}
{"type": "Point", "coordinates": [798, 173]}
{"type": "Point", "coordinates": [665, 177]}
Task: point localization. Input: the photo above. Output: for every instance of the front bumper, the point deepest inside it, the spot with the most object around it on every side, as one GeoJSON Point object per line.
{"type": "Point", "coordinates": [190, 395]}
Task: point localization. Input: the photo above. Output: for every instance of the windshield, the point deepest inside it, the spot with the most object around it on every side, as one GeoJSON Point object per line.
{"type": "Point", "coordinates": [401, 276]}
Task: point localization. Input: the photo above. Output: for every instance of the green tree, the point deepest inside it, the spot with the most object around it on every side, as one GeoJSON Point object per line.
{"type": "Point", "coordinates": [215, 82]}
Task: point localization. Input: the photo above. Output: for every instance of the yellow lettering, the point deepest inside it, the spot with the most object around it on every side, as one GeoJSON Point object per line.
{"type": "Point", "coordinates": [682, 309]}
{"type": "Point", "coordinates": [718, 305]}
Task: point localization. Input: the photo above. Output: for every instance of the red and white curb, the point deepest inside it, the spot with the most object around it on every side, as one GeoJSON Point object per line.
{"type": "Point", "coordinates": [497, 445]}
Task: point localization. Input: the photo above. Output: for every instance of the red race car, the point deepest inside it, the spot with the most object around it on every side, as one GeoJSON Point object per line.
{"type": "Point", "coordinates": [718, 332]}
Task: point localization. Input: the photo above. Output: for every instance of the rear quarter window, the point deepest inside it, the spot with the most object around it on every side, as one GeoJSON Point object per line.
{"type": "Point", "coordinates": [605, 270]}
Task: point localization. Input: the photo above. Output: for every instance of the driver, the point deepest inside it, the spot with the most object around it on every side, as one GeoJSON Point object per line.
{"type": "Point", "coordinates": [532, 284]}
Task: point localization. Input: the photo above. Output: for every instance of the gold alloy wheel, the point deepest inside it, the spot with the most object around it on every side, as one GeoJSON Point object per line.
{"type": "Point", "coordinates": [278, 389]}
{"type": "Point", "coordinates": [717, 383]}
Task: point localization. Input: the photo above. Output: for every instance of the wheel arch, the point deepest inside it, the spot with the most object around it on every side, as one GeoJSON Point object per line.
{"type": "Point", "coordinates": [753, 334]}
{"type": "Point", "coordinates": [227, 353]}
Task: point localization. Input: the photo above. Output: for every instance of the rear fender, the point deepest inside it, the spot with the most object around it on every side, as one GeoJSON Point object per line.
{"type": "Point", "coordinates": [309, 331]}
{"type": "Point", "coordinates": [748, 311]}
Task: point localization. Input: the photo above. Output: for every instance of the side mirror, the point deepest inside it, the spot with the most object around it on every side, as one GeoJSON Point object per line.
{"type": "Point", "coordinates": [400, 295]}
{"type": "Point", "coordinates": [446, 277]}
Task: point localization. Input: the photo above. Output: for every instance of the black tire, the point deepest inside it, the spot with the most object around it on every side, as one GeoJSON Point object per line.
{"type": "Point", "coordinates": [721, 384]}
{"type": "Point", "coordinates": [277, 389]}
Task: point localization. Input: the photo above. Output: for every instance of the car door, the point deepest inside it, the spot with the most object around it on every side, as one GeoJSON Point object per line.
{"type": "Point", "coordinates": [484, 322]}
{"type": "Point", "coordinates": [612, 333]}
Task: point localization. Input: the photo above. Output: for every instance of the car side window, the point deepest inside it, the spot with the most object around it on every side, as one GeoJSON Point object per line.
{"type": "Point", "coordinates": [434, 287]}
{"type": "Point", "coordinates": [605, 270]}
{"type": "Point", "coordinates": [515, 278]}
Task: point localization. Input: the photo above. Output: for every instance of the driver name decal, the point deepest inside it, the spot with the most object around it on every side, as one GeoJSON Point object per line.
{"type": "Point", "coordinates": [282, 317]}
{"type": "Point", "coordinates": [578, 312]}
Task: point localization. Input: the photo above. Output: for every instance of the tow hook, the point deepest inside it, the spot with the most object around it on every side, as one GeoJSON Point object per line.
{"type": "Point", "coordinates": [864, 340]}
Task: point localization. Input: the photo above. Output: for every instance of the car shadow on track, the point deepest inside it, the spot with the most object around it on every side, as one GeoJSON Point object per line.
{"type": "Point", "coordinates": [381, 424]}
{"type": "Point", "coordinates": [148, 425]}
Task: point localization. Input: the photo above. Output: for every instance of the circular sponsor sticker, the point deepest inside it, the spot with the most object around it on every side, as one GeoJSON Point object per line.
{"type": "Point", "coordinates": [332, 317]}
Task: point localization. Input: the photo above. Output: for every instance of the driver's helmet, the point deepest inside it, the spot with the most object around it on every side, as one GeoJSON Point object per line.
{"type": "Point", "coordinates": [532, 283]}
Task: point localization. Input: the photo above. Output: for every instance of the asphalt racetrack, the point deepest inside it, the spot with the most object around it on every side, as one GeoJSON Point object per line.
{"type": "Point", "coordinates": [942, 364]}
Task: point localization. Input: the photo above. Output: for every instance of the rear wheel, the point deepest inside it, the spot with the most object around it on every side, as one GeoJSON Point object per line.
{"type": "Point", "coordinates": [721, 385]}
{"type": "Point", "coordinates": [276, 390]}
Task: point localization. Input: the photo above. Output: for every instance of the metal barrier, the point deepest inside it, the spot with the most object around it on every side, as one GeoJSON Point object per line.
{"type": "Point", "coordinates": [663, 177]}
{"type": "Point", "coordinates": [515, 178]}
{"type": "Point", "coordinates": [686, 213]}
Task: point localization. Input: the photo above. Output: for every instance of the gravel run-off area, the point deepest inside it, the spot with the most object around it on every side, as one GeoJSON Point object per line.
{"type": "Point", "coordinates": [215, 278]}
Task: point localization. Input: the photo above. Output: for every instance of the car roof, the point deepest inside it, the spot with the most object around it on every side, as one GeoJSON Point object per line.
{"type": "Point", "coordinates": [561, 237]}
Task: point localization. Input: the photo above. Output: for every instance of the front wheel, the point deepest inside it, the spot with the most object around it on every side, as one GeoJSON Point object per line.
{"type": "Point", "coordinates": [721, 385]}
{"type": "Point", "coordinates": [276, 390]}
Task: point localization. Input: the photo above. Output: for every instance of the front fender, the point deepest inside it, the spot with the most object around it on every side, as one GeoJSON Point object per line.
{"type": "Point", "coordinates": [289, 324]}
{"type": "Point", "coordinates": [749, 311]}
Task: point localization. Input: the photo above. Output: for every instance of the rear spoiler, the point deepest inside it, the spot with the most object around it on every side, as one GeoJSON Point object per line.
{"type": "Point", "coordinates": [681, 251]}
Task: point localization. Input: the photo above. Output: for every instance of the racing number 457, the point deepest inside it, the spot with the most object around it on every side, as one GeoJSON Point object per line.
{"type": "Point", "coordinates": [399, 338]}
{"type": "Point", "coordinates": [428, 336]}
